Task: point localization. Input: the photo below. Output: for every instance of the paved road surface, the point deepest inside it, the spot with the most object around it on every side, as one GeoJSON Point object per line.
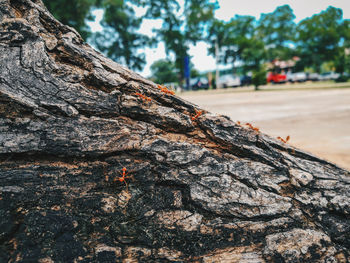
{"type": "Point", "coordinates": [318, 121]}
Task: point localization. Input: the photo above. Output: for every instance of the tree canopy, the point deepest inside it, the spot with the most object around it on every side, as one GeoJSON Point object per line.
{"type": "Point", "coordinates": [322, 38]}
{"type": "Point", "coordinates": [277, 30]}
{"type": "Point", "coordinates": [73, 12]}
{"type": "Point", "coordinates": [120, 39]}
{"type": "Point", "coordinates": [164, 71]}
{"type": "Point", "coordinates": [180, 27]}
{"type": "Point", "coordinates": [319, 37]}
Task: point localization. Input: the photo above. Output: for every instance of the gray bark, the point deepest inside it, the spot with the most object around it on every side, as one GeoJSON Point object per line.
{"type": "Point", "coordinates": [205, 190]}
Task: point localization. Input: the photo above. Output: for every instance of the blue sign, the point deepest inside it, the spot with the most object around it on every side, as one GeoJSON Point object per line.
{"type": "Point", "coordinates": [187, 67]}
{"type": "Point", "coordinates": [187, 71]}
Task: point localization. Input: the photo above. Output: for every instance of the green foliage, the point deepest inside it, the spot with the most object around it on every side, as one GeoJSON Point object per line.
{"type": "Point", "coordinates": [342, 61]}
{"type": "Point", "coordinates": [342, 78]}
{"type": "Point", "coordinates": [239, 41]}
{"type": "Point", "coordinates": [251, 42]}
{"type": "Point", "coordinates": [119, 39]}
{"type": "Point", "coordinates": [309, 70]}
{"type": "Point", "coordinates": [342, 58]}
{"type": "Point", "coordinates": [327, 66]}
{"type": "Point", "coordinates": [319, 37]}
{"type": "Point", "coordinates": [198, 14]}
{"type": "Point", "coordinates": [163, 71]}
{"type": "Point", "coordinates": [180, 28]}
{"type": "Point", "coordinates": [322, 38]}
{"type": "Point", "coordinates": [170, 33]}
{"type": "Point", "coordinates": [253, 54]}
{"type": "Point", "coordinates": [259, 76]}
{"type": "Point", "coordinates": [277, 30]}
{"type": "Point", "coordinates": [194, 72]}
{"type": "Point", "coordinates": [72, 13]}
{"type": "Point", "coordinates": [233, 37]}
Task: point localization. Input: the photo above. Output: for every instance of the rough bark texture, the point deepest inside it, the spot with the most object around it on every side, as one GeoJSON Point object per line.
{"type": "Point", "coordinates": [205, 190]}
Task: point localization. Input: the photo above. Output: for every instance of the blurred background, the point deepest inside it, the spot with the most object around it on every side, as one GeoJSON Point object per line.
{"type": "Point", "coordinates": [283, 66]}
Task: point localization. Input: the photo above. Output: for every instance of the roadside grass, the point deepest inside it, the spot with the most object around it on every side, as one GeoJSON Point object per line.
{"type": "Point", "coordinates": [275, 87]}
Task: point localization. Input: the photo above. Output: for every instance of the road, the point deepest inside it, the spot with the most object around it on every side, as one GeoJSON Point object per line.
{"type": "Point", "coordinates": [317, 120]}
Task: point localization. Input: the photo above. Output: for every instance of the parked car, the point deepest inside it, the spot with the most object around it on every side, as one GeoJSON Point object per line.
{"type": "Point", "coordinates": [313, 76]}
{"type": "Point", "coordinates": [229, 81]}
{"type": "Point", "coordinates": [329, 76]}
{"type": "Point", "coordinates": [246, 80]}
{"type": "Point", "coordinates": [334, 75]}
{"type": "Point", "coordinates": [290, 77]}
{"type": "Point", "coordinates": [273, 77]}
{"type": "Point", "coordinates": [343, 77]}
{"type": "Point", "coordinates": [199, 83]}
{"type": "Point", "coordinates": [296, 77]}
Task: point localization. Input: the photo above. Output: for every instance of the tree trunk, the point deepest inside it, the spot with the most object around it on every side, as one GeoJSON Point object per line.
{"type": "Point", "coordinates": [205, 189]}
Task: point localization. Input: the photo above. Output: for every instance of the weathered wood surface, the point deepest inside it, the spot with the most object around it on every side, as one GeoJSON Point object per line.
{"type": "Point", "coordinates": [207, 190]}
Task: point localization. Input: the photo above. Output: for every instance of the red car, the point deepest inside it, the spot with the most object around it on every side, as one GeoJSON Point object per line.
{"type": "Point", "coordinates": [273, 77]}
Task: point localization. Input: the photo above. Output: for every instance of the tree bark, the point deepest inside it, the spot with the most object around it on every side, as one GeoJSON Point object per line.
{"type": "Point", "coordinates": [206, 189]}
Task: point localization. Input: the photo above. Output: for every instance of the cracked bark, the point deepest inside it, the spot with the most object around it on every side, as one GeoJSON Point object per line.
{"type": "Point", "coordinates": [207, 190]}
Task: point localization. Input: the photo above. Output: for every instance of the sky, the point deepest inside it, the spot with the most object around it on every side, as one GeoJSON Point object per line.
{"type": "Point", "coordinates": [228, 9]}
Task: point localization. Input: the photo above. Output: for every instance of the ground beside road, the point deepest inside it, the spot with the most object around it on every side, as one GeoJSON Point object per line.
{"type": "Point", "coordinates": [317, 120]}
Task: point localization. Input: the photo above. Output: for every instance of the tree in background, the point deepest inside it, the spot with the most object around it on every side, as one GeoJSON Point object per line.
{"type": "Point", "coordinates": [194, 72]}
{"type": "Point", "coordinates": [170, 33]}
{"type": "Point", "coordinates": [318, 37]}
{"type": "Point", "coordinates": [342, 58]}
{"type": "Point", "coordinates": [321, 39]}
{"type": "Point", "coordinates": [254, 57]}
{"type": "Point", "coordinates": [73, 13]}
{"type": "Point", "coordinates": [180, 27]}
{"type": "Point", "coordinates": [119, 39]}
{"type": "Point", "coordinates": [164, 71]}
{"type": "Point", "coordinates": [240, 43]}
{"type": "Point", "coordinates": [232, 37]}
{"type": "Point", "coordinates": [277, 31]}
